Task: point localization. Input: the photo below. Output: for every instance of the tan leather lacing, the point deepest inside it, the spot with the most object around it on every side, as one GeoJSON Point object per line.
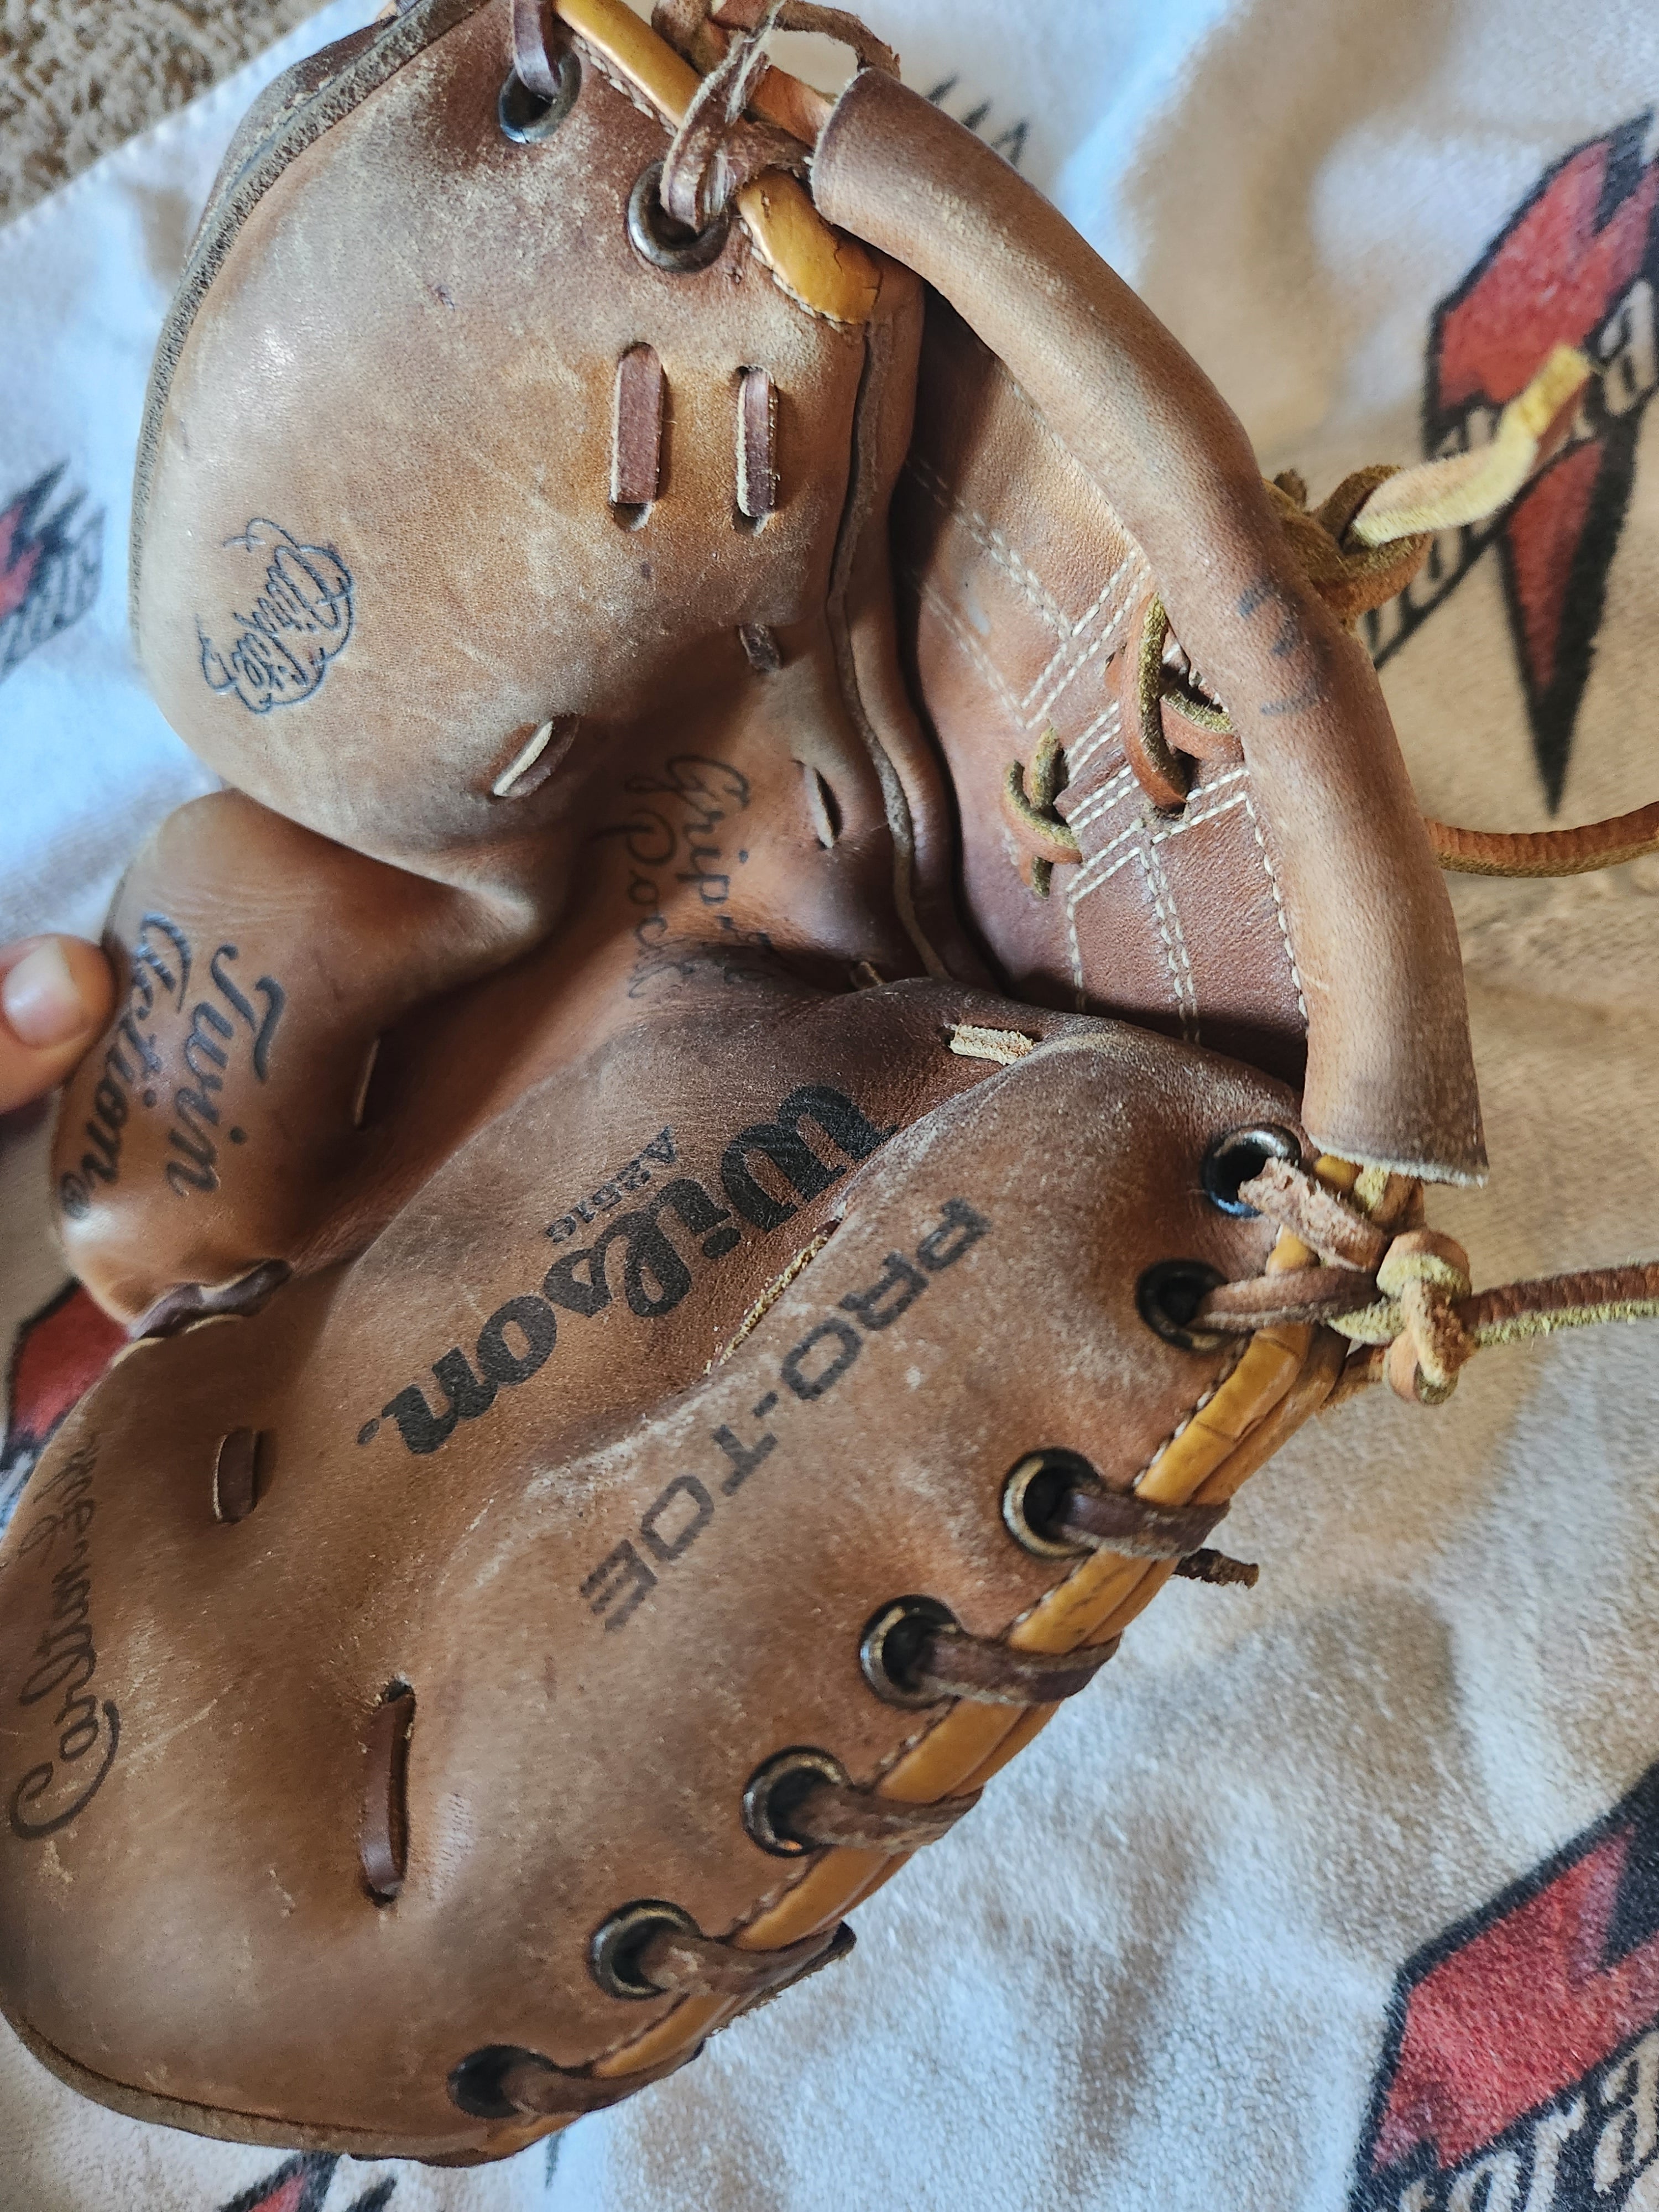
{"type": "Point", "coordinates": [1359, 549]}
{"type": "Point", "coordinates": [1402, 1295]}
{"type": "Point", "coordinates": [1028, 802]}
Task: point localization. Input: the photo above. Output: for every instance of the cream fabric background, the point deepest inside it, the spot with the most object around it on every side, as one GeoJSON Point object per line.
{"type": "Point", "coordinates": [1152, 1971]}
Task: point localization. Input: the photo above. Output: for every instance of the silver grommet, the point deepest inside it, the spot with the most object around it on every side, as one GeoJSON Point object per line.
{"type": "Point", "coordinates": [1236, 1156]}
{"type": "Point", "coordinates": [666, 244]}
{"type": "Point", "coordinates": [1031, 1494]}
{"type": "Point", "coordinates": [613, 1952]}
{"type": "Point", "coordinates": [891, 1644]}
{"type": "Point", "coordinates": [776, 1789]}
{"type": "Point", "coordinates": [525, 117]}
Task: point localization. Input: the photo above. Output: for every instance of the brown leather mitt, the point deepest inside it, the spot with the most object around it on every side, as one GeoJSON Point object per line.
{"type": "Point", "coordinates": [672, 1326]}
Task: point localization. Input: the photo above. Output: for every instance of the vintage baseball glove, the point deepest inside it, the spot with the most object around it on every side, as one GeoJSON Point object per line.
{"type": "Point", "coordinates": [672, 1322]}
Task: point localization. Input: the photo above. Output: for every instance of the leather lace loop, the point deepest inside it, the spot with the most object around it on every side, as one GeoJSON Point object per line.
{"type": "Point", "coordinates": [1138, 1528]}
{"type": "Point", "coordinates": [1405, 1297]}
{"type": "Point", "coordinates": [1028, 806]}
{"type": "Point", "coordinates": [953, 1664]}
{"type": "Point", "coordinates": [837, 1816]}
{"type": "Point", "coordinates": [718, 149]}
{"type": "Point", "coordinates": [680, 1963]}
{"type": "Point", "coordinates": [533, 64]}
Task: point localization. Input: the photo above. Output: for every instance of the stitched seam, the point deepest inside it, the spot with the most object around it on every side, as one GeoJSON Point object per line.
{"type": "Point", "coordinates": [1095, 735]}
{"type": "Point", "coordinates": [1025, 721]}
{"type": "Point", "coordinates": [1197, 821]}
{"type": "Point", "coordinates": [1279, 906]}
{"type": "Point", "coordinates": [1081, 890]}
{"type": "Point", "coordinates": [1062, 652]}
{"type": "Point", "coordinates": [969, 645]}
{"type": "Point", "coordinates": [1161, 837]}
{"type": "Point", "coordinates": [615, 79]}
{"type": "Point", "coordinates": [1122, 785]}
{"type": "Point", "coordinates": [1157, 887]}
{"type": "Point", "coordinates": [1128, 560]}
{"type": "Point", "coordinates": [1094, 876]}
{"type": "Point", "coordinates": [885, 1765]}
{"type": "Point", "coordinates": [993, 543]}
{"type": "Point", "coordinates": [1108, 638]}
{"type": "Point", "coordinates": [1175, 941]}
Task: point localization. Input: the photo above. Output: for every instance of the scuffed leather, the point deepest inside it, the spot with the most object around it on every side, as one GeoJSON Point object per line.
{"type": "Point", "coordinates": [576, 1571]}
{"type": "Point", "coordinates": [564, 1142]}
{"type": "Point", "coordinates": [1390, 1080]}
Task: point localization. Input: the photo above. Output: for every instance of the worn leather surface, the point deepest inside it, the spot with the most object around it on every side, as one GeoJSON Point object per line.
{"type": "Point", "coordinates": [1389, 1077]}
{"type": "Point", "coordinates": [1020, 583]}
{"type": "Point", "coordinates": [359, 595]}
{"type": "Point", "coordinates": [182, 1910]}
{"type": "Point", "coordinates": [589, 842]}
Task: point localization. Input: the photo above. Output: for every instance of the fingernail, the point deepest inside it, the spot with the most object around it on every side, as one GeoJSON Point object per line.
{"type": "Point", "coordinates": [39, 999]}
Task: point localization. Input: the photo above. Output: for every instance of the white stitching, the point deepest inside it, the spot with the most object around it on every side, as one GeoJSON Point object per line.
{"type": "Point", "coordinates": [975, 652]}
{"type": "Point", "coordinates": [1158, 888]}
{"type": "Point", "coordinates": [1005, 556]}
{"type": "Point", "coordinates": [1020, 573]}
{"type": "Point", "coordinates": [1061, 654]}
{"type": "Point", "coordinates": [1108, 638]}
{"type": "Point", "coordinates": [1099, 868]}
{"type": "Point", "coordinates": [1175, 939]}
{"type": "Point", "coordinates": [1121, 786]}
{"type": "Point", "coordinates": [1097, 733]}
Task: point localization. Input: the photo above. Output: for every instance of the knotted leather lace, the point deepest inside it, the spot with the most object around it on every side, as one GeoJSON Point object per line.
{"type": "Point", "coordinates": [1402, 1295]}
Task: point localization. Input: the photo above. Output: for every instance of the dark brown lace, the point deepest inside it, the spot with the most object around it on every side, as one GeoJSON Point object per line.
{"type": "Point", "coordinates": [720, 147]}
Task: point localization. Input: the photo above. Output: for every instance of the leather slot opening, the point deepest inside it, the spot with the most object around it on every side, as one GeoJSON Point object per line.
{"type": "Point", "coordinates": [531, 755]}
{"type": "Point", "coordinates": [636, 435]}
{"type": "Point", "coordinates": [823, 807]}
{"type": "Point", "coordinates": [238, 1481]}
{"type": "Point", "coordinates": [757, 473]}
{"type": "Point", "coordinates": [360, 1103]}
{"type": "Point", "coordinates": [383, 1839]}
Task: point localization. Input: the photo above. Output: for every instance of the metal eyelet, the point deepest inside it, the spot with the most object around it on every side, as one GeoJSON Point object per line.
{"type": "Point", "coordinates": [525, 117]}
{"type": "Point", "coordinates": [657, 238]}
{"type": "Point", "coordinates": [776, 1789]}
{"type": "Point", "coordinates": [618, 1943]}
{"type": "Point", "coordinates": [1031, 1494]}
{"type": "Point", "coordinates": [890, 1644]}
{"type": "Point", "coordinates": [1169, 1293]}
{"type": "Point", "coordinates": [1233, 1158]}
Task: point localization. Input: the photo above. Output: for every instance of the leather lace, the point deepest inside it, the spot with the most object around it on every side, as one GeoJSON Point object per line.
{"type": "Point", "coordinates": [1359, 549]}
{"type": "Point", "coordinates": [1402, 1295]}
{"type": "Point", "coordinates": [720, 146]}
